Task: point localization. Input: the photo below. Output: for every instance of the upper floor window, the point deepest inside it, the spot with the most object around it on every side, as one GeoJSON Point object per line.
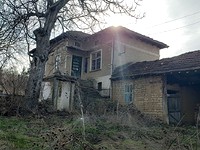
{"type": "Point", "coordinates": [57, 62]}
{"type": "Point", "coordinates": [128, 93]}
{"type": "Point", "coordinates": [77, 44]}
{"type": "Point", "coordinates": [96, 59]}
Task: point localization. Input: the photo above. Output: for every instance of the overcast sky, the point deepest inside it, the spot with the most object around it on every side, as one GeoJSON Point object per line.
{"type": "Point", "coordinates": [174, 22]}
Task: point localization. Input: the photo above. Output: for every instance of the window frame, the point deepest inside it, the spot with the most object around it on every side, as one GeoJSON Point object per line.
{"type": "Point", "coordinates": [128, 93]}
{"type": "Point", "coordinates": [57, 61]}
{"type": "Point", "coordinates": [95, 60]}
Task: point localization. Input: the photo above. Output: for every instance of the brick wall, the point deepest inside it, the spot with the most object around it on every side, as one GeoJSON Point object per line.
{"type": "Point", "coordinates": [148, 95]}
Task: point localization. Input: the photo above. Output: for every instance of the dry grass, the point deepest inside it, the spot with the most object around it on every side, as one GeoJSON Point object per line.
{"type": "Point", "coordinates": [102, 132]}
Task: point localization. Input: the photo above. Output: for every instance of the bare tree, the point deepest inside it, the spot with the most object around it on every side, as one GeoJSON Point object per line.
{"type": "Point", "coordinates": [8, 43]}
{"type": "Point", "coordinates": [35, 19]}
{"type": "Point", "coordinates": [12, 82]}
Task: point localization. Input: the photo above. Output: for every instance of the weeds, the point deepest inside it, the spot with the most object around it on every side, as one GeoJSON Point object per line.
{"type": "Point", "coordinates": [101, 132]}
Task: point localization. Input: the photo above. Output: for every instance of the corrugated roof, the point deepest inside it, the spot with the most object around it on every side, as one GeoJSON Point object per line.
{"type": "Point", "coordinates": [184, 62]}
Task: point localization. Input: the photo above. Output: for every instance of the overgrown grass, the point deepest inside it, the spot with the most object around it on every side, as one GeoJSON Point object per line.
{"type": "Point", "coordinates": [56, 132]}
{"type": "Point", "coordinates": [14, 133]}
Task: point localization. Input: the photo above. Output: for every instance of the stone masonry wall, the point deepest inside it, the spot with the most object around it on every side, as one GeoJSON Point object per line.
{"type": "Point", "coordinates": [148, 95]}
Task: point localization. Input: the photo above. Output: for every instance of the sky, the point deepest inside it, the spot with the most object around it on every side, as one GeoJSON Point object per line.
{"type": "Point", "coordinates": [173, 22]}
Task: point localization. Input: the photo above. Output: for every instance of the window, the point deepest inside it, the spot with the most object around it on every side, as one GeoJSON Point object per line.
{"type": "Point", "coordinates": [77, 44]}
{"type": "Point", "coordinates": [96, 60]}
{"type": "Point", "coordinates": [57, 62]}
{"type": "Point", "coordinates": [99, 86]}
{"type": "Point", "coordinates": [128, 93]}
{"type": "Point", "coordinates": [86, 65]}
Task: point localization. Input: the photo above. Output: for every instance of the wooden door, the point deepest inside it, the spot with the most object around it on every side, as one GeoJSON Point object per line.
{"type": "Point", "coordinates": [174, 109]}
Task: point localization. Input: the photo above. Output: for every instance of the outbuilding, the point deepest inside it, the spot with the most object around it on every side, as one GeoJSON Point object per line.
{"type": "Point", "coordinates": [168, 89]}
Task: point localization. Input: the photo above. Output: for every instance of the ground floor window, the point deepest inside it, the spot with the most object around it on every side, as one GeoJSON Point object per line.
{"type": "Point", "coordinates": [128, 93]}
{"type": "Point", "coordinates": [99, 86]}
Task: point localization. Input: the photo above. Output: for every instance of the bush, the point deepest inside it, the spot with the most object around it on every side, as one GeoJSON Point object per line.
{"type": "Point", "coordinates": [11, 104]}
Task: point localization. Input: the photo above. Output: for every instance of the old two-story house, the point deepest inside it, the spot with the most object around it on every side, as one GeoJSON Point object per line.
{"type": "Point", "coordinates": [75, 54]}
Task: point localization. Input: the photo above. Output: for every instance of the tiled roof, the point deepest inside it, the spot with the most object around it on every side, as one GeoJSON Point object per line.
{"type": "Point", "coordinates": [77, 35]}
{"type": "Point", "coordinates": [184, 62]}
{"type": "Point", "coordinates": [123, 30]}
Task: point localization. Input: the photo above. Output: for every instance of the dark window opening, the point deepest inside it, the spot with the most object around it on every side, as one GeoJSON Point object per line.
{"type": "Point", "coordinates": [86, 65]}
{"type": "Point", "coordinates": [99, 86]}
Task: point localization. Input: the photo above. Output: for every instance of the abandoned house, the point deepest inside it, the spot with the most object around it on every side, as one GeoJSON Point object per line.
{"type": "Point", "coordinates": [75, 54]}
{"type": "Point", "coordinates": [168, 89]}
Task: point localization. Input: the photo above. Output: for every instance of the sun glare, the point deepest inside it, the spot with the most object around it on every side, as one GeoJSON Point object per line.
{"type": "Point", "coordinates": [119, 20]}
{"type": "Point", "coordinates": [116, 20]}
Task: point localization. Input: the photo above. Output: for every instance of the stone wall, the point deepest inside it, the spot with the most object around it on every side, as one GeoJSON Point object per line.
{"type": "Point", "coordinates": [148, 95]}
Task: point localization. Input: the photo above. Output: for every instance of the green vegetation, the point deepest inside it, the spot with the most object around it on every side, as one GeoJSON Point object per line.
{"type": "Point", "coordinates": [56, 132]}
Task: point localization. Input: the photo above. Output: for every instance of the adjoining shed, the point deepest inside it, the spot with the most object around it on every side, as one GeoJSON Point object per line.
{"type": "Point", "coordinates": [168, 89]}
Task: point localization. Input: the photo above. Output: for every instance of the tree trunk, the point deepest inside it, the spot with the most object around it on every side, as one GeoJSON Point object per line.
{"type": "Point", "coordinates": [40, 56]}
{"type": "Point", "coordinates": [34, 85]}
{"type": "Point", "coordinates": [37, 70]}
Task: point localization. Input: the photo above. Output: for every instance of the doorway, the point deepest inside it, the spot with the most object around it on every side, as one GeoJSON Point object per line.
{"type": "Point", "coordinates": [174, 107]}
{"type": "Point", "coordinates": [76, 66]}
